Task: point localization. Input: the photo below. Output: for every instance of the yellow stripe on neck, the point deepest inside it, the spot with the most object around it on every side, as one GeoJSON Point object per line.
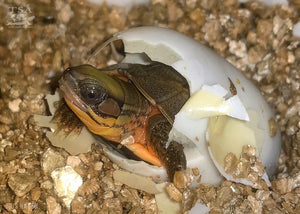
{"type": "Point", "coordinates": [109, 121]}
{"type": "Point", "coordinates": [109, 132]}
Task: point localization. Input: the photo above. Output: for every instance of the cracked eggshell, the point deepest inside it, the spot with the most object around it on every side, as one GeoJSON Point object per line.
{"type": "Point", "coordinates": [203, 67]}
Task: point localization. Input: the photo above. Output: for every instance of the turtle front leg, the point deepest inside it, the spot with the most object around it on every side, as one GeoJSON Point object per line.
{"type": "Point", "coordinates": [175, 159]}
{"type": "Point", "coordinates": [172, 156]}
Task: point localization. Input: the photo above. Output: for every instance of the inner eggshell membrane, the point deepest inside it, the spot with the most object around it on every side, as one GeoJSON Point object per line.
{"type": "Point", "coordinates": [227, 134]}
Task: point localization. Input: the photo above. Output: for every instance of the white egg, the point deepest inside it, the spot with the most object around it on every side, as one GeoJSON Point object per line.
{"type": "Point", "coordinates": [225, 112]}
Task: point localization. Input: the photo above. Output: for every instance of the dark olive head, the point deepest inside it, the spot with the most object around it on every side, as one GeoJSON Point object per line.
{"type": "Point", "coordinates": [90, 89]}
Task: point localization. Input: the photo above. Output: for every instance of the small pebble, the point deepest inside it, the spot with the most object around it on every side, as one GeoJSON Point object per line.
{"type": "Point", "coordinates": [73, 161]}
{"type": "Point", "coordinates": [98, 166]}
{"type": "Point", "coordinates": [51, 160]}
{"type": "Point", "coordinates": [173, 192]}
{"type": "Point", "coordinates": [65, 14]}
{"type": "Point", "coordinates": [14, 105]}
{"type": "Point", "coordinates": [57, 60]}
{"type": "Point", "coordinates": [35, 193]}
{"type": "Point", "coordinates": [66, 183]}
{"type": "Point", "coordinates": [52, 206]}
{"type": "Point", "coordinates": [77, 207]}
{"type": "Point", "coordinates": [47, 185]}
{"type": "Point", "coordinates": [21, 183]}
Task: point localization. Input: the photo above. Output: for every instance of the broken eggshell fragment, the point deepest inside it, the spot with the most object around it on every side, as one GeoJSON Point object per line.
{"type": "Point", "coordinates": [233, 108]}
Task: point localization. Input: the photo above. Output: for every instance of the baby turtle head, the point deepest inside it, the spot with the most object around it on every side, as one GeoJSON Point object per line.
{"type": "Point", "coordinates": [95, 97]}
{"type": "Point", "coordinates": [89, 89]}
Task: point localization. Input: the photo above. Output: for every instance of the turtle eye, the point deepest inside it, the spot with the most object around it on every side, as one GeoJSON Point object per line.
{"type": "Point", "coordinates": [92, 93]}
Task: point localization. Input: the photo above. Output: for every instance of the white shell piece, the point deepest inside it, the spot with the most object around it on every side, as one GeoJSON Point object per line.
{"type": "Point", "coordinates": [238, 109]}
{"type": "Point", "coordinates": [138, 182]}
{"type": "Point", "coordinates": [209, 102]}
{"type": "Point", "coordinates": [201, 66]}
{"type": "Point", "coordinates": [205, 104]}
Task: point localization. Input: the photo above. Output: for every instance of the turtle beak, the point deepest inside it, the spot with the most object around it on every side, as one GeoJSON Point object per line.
{"type": "Point", "coordinates": [68, 86]}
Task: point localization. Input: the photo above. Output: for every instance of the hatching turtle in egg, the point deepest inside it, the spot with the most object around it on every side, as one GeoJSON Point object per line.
{"type": "Point", "coordinates": [174, 103]}
{"type": "Point", "coordinates": [131, 104]}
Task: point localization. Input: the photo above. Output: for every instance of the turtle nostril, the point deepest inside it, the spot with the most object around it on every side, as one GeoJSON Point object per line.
{"type": "Point", "coordinates": [91, 95]}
